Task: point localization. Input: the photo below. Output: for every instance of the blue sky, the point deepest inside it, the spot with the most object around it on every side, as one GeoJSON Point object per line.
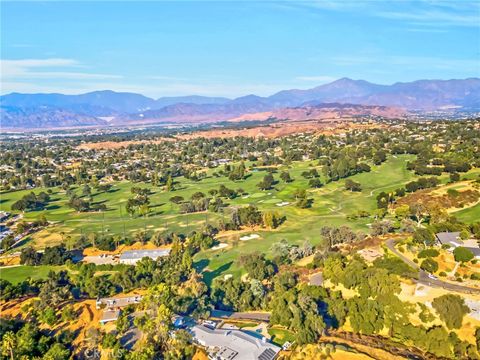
{"type": "Point", "coordinates": [228, 48]}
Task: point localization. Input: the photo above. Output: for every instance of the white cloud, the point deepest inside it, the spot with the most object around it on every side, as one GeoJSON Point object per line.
{"type": "Point", "coordinates": [11, 70]}
{"type": "Point", "coordinates": [420, 13]}
{"type": "Point", "coordinates": [435, 17]}
{"type": "Point", "coordinates": [418, 62]}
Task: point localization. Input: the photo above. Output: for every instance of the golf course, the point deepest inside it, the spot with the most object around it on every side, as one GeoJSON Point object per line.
{"type": "Point", "coordinates": [332, 205]}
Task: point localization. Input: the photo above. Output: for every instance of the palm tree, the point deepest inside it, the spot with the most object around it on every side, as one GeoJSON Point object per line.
{"type": "Point", "coordinates": [8, 343]}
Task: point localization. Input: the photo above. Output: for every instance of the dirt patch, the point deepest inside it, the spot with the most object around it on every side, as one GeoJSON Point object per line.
{"type": "Point", "coordinates": [452, 197]}
{"type": "Point", "coordinates": [107, 145]}
{"type": "Point", "coordinates": [10, 260]}
{"type": "Point", "coordinates": [200, 354]}
{"type": "Point", "coordinates": [280, 129]}
{"type": "Point", "coordinates": [91, 251]}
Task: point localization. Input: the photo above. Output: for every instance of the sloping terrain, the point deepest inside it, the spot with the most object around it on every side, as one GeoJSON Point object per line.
{"type": "Point", "coordinates": [95, 108]}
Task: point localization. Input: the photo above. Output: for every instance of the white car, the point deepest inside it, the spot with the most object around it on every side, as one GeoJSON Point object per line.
{"type": "Point", "coordinates": [433, 277]}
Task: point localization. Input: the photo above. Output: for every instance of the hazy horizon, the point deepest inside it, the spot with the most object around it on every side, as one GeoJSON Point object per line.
{"type": "Point", "coordinates": [232, 49]}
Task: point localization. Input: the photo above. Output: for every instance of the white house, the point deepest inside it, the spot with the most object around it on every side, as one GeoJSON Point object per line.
{"type": "Point", "coordinates": [232, 344]}
{"type": "Point", "coordinates": [131, 257]}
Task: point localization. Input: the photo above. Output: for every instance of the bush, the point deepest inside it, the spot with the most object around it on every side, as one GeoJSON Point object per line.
{"type": "Point", "coordinates": [442, 274]}
{"type": "Point", "coordinates": [475, 276]}
{"type": "Point", "coordinates": [429, 265]}
{"type": "Point", "coordinates": [427, 253]}
{"type": "Point", "coordinates": [462, 254]}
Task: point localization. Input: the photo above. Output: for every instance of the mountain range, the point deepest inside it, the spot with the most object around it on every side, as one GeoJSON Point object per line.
{"type": "Point", "coordinates": [103, 108]}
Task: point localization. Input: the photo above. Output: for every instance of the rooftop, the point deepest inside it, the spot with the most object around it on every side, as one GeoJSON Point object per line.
{"type": "Point", "coordinates": [120, 301]}
{"type": "Point", "coordinates": [139, 254]}
{"type": "Point", "coordinates": [235, 344]}
{"type": "Point", "coordinates": [452, 238]}
{"type": "Point", "coordinates": [109, 315]}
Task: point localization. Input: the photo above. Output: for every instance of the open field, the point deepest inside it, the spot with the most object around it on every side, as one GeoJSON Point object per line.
{"type": "Point", "coordinates": [17, 274]}
{"type": "Point", "coordinates": [331, 206]}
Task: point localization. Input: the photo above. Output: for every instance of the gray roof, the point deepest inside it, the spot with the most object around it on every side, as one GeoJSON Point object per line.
{"type": "Point", "coordinates": [474, 250]}
{"type": "Point", "coordinates": [316, 279]}
{"type": "Point", "coordinates": [449, 238]}
{"type": "Point", "coordinates": [117, 302]}
{"type": "Point", "coordinates": [109, 315]}
{"type": "Point", "coordinates": [140, 254]}
{"type": "Point", "coordinates": [235, 344]}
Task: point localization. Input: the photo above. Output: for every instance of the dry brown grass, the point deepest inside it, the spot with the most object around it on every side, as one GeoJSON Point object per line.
{"type": "Point", "coordinates": [467, 196]}
{"type": "Point", "coordinates": [107, 145]}
{"type": "Point", "coordinates": [319, 127]}
{"type": "Point", "coordinates": [91, 251]}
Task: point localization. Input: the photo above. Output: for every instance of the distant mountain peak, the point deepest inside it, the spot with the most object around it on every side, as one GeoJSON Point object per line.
{"type": "Point", "coordinates": [57, 110]}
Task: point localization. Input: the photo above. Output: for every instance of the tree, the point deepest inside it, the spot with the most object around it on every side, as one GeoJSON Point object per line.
{"type": "Point", "coordinates": [257, 266]}
{"type": "Point", "coordinates": [176, 199]}
{"type": "Point", "coordinates": [352, 185]}
{"type": "Point", "coordinates": [382, 227]}
{"type": "Point", "coordinates": [29, 256]}
{"type": "Point", "coordinates": [266, 183]}
{"type": "Point", "coordinates": [451, 309]}
{"type": "Point", "coordinates": [86, 191]}
{"type": "Point", "coordinates": [315, 183]}
{"type": "Point", "coordinates": [463, 254]}
{"type": "Point", "coordinates": [285, 176]}
{"type": "Point", "coordinates": [271, 219]}
{"type": "Point", "coordinates": [429, 265]}
{"type": "Point", "coordinates": [169, 184]}
{"type": "Point", "coordinates": [424, 236]}
{"type": "Point", "coordinates": [9, 343]}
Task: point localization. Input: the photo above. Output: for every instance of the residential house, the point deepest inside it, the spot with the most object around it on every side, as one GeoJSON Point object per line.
{"type": "Point", "coordinates": [131, 257]}
{"type": "Point", "coordinates": [233, 344]}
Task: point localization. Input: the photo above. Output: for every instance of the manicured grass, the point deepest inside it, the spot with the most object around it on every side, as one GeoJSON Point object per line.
{"type": "Point", "coordinates": [469, 215]}
{"type": "Point", "coordinates": [281, 336]}
{"type": "Point", "coordinates": [331, 206]}
{"type": "Point", "coordinates": [18, 274]}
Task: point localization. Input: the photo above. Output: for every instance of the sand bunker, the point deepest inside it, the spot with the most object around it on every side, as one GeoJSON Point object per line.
{"type": "Point", "coordinates": [249, 237]}
{"type": "Point", "coordinates": [219, 246]}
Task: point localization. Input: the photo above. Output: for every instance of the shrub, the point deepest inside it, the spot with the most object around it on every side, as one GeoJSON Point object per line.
{"type": "Point", "coordinates": [429, 265]}
{"type": "Point", "coordinates": [462, 254]}
{"type": "Point", "coordinates": [428, 253]}
{"type": "Point", "coordinates": [475, 276]}
{"type": "Point", "coordinates": [442, 274]}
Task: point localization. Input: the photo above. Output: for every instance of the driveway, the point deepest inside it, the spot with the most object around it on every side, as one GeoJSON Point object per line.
{"type": "Point", "coordinates": [251, 315]}
{"type": "Point", "coordinates": [423, 275]}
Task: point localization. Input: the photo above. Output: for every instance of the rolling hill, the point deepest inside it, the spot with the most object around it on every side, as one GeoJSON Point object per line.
{"type": "Point", "coordinates": [92, 109]}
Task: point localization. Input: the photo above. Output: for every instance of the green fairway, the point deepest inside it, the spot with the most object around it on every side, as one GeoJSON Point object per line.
{"type": "Point", "coordinates": [469, 215]}
{"type": "Point", "coordinates": [331, 206]}
{"type": "Point", "coordinates": [18, 274]}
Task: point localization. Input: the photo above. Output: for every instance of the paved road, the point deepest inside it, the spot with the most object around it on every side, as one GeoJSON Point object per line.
{"type": "Point", "coordinates": [423, 275]}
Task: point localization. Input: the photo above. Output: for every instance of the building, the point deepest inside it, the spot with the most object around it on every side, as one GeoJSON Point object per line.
{"type": "Point", "coordinates": [453, 240]}
{"type": "Point", "coordinates": [131, 257]}
{"type": "Point", "coordinates": [450, 238]}
{"type": "Point", "coordinates": [118, 302]}
{"type": "Point", "coordinates": [232, 344]}
{"type": "Point", "coordinates": [109, 315]}
{"type": "Point", "coordinates": [4, 216]}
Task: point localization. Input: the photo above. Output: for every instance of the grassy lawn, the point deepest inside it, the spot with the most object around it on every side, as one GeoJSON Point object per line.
{"type": "Point", "coordinates": [469, 215]}
{"type": "Point", "coordinates": [281, 336]}
{"type": "Point", "coordinates": [331, 206]}
{"type": "Point", "coordinates": [18, 274]}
